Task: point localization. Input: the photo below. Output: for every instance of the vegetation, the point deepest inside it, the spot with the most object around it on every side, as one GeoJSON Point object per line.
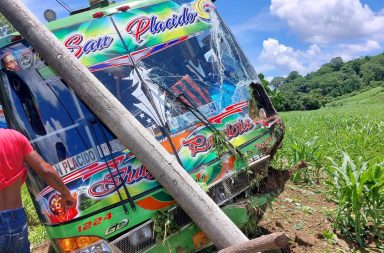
{"type": "Point", "coordinates": [164, 225]}
{"type": "Point", "coordinates": [343, 145]}
{"type": "Point", "coordinates": [359, 192]}
{"type": "Point", "coordinates": [332, 81]}
{"type": "Point", "coordinates": [37, 232]}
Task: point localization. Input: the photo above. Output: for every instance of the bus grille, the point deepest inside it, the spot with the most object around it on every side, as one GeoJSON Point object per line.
{"type": "Point", "coordinates": [129, 243]}
{"type": "Point", "coordinates": [234, 184]}
{"type": "Point", "coordinates": [221, 191]}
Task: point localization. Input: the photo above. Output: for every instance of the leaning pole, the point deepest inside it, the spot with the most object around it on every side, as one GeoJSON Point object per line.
{"type": "Point", "coordinates": [163, 166]}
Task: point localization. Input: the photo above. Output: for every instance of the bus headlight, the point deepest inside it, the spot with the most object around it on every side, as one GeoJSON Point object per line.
{"type": "Point", "coordinates": [141, 235]}
{"type": "Point", "coordinates": [83, 244]}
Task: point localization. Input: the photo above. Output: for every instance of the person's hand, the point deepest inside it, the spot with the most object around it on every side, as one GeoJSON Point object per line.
{"type": "Point", "coordinates": [69, 200]}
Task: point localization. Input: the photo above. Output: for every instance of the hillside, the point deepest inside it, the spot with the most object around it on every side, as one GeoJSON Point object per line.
{"type": "Point", "coordinates": [370, 97]}
{"type": "Point", "coordinates": [334, 80]}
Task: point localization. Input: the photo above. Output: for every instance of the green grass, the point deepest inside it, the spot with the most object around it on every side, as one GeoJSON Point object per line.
{"type": "Point", "coordinates": [354, 128]}
{"type": "Point", "coordinates": [37, 233]}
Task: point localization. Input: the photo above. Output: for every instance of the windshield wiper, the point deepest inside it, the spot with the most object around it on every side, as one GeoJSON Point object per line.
{"type": "Point", "coordinates": [200, 117]}
{"type": "Point", "coordinates": [122, 202]}
{"type": "Point", "coordinates": [163, 125]}
{"type": "Point", "coordinates": [132, 204]}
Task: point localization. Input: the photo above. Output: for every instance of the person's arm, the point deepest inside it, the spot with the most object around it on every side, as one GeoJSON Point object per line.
{"type": "Point", "coordinates": [50, 176]}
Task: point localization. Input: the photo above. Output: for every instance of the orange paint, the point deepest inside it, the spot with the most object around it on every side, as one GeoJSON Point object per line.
{"type": "Point", "coordinates": [177, 140]}
{"type": "Point", "coordinates": [151, 203]}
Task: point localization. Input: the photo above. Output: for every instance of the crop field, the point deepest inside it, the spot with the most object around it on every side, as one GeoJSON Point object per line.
{"type": "Point", "coordinates": [343, 145]}
{"type": "Point", "coordinates": [356, 127]}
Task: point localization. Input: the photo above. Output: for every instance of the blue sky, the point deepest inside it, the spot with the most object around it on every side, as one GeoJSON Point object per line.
{"type": "Point", "coordinates": [280, 36]}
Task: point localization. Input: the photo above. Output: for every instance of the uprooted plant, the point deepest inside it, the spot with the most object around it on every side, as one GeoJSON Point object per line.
{"type": "Point", "coordinates": [164, 225]}
{"type": "Point", "coordinates": [307, 151]}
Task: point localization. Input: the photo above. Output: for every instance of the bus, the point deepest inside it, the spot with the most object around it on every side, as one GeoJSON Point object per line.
{"type": "Point", "coordinates": [177, 68]}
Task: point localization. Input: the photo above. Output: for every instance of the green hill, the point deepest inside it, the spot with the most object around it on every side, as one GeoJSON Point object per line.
{"type": "Point", "coordinates": [370, 97]}
{"type": "Point", "coordinates": [333, 81]}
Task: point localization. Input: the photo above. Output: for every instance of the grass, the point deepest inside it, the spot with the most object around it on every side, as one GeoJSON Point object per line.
{"type": "Point", "coordinates": [37, 233]}
{"type": "Point", "coordinates": [354, 128]}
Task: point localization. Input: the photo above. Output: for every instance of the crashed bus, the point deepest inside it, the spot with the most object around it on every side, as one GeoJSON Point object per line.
{"type": "Point", "coordinates": [177, 68]}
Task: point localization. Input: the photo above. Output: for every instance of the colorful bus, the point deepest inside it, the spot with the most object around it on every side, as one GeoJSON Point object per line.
{"type": "Point", "coordinates": [178, 69]}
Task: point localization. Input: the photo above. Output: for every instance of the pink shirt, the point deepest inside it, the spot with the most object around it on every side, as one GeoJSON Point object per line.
{"type": "Point", "coordinates": [13, 148]}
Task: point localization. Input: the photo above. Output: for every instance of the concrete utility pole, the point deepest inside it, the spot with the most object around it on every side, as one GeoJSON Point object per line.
{"type": "Point", "coordinates": [163, 166]}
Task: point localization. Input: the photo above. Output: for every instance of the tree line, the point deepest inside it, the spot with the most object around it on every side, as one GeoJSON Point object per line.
{"type": "Point", "coordinates": [333, 80]}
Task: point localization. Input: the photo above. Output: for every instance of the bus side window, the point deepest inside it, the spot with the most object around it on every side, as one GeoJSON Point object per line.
{"type": "Point", "coordinates": [26, 99]}
{"type": "Point", "coordinates": [61, 151]}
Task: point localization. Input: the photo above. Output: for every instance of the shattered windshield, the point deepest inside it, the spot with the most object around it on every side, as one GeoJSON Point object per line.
{"type": "Point", "coordinates": [205, 73]}
{"type": "Point", "coordinates": [179, 86]}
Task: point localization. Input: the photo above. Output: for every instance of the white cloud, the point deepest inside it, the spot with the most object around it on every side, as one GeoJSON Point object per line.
{"type": "Point", "coordinates": [258, 24]}
{"type": "Point", "coordinates": [362, 48]}
{"type": "Point", "coordinates": [313, 50]}
{"type": "Point", "coordinates": [277, 56]}
{"type": "Point", "coordinates": [264, 67]}
{"type": "Point", "coordinates": [324, 21]}
{"type": "Point", "coordinates": [281, 56]}
{"type": "Point", "coordinates": [351, 51]}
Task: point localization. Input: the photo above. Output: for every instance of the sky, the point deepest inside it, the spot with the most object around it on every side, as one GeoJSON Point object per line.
{"type": "Point", "coordinates": [280, 36]}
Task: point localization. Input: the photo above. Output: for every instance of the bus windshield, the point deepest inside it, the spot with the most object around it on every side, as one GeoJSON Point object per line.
{"type": "Point", "coordinates": [206, 72]}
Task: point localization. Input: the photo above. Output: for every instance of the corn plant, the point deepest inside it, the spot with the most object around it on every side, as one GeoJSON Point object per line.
{"type": "Point", "coordinates": [32, 218]}
{"type": "Point", "coordinates": [358, 190]}
{"type": "Point", "coordinates": [356, 130]}
{"type": "Point", "coordinates": [374, 196]}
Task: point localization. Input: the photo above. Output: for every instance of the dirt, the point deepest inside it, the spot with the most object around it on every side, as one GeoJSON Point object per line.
{"type": "Point", "coordinates": [302, 213]}
{"type": "Point", "coordinates": [41, 248]}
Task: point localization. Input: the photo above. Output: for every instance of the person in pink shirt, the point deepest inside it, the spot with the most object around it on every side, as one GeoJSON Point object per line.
{"type": "Point", "coordinates": [15, 151]}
